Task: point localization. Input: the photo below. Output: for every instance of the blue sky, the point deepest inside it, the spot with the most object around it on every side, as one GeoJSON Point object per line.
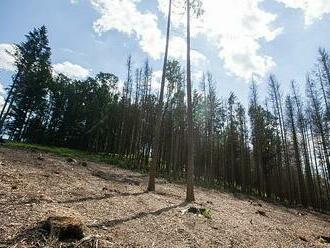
{"type": "Point", "coordinates": [234, 40]}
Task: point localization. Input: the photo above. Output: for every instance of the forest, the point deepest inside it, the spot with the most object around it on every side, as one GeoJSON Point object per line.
{"type": "Point", "coordinates": [276, 148]}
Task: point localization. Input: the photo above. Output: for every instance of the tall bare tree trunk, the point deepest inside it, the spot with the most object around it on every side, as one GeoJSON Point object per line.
{"type": "Point", "coordinates": [157, 131]}
{"type": "Point", "coordinates": [324, 92]}
{"type": "Point", "coordinates": [190, 161]}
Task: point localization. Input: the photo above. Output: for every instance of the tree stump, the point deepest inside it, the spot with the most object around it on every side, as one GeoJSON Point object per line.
{"type": "Point", "coordinates": [64, 228]}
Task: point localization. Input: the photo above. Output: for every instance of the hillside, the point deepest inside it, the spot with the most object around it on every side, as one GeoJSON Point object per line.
{"type": "Point", "coordinates": [116, 211]}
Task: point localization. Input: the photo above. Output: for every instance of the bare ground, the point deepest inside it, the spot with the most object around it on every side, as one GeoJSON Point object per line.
{"type": "Point", "coordinates": [118, 213]}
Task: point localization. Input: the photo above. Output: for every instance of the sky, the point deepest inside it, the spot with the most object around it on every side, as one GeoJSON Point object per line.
{"type": "Point", "coordinates": [235, 40]}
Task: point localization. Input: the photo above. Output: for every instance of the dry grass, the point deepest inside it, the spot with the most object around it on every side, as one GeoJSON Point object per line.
{"type": "Point", "coordinates": [117, 211]}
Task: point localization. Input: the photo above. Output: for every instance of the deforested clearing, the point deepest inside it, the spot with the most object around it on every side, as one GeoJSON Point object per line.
{"type": "Point", "coordinates": [112, 209]}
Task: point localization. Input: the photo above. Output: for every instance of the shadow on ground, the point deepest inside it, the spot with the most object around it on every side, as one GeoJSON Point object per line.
{"type": "Point", "coordinates": [112, 223]}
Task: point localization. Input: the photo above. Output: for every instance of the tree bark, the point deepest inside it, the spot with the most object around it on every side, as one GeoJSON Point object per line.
{"type": "Point", "coordinates": [190, 160]}
{"type": "Point", "coordinates": [4, 113]}
{"type": "Point", "coordinates": [157, 131]}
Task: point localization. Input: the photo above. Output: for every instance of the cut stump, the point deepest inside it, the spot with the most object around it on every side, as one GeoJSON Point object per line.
{"type": "Point", "coordinates": [64, 228]}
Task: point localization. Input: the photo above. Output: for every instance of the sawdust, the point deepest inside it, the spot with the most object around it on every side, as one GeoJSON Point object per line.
{"type": "Point", "coordinates": [113, 205]}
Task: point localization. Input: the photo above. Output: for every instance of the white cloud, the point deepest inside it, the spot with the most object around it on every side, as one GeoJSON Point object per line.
{"type": "Point", "coordinates": [241, 58]}
{"type": "Point", "coordinates": [71, 70]}
{"type": "Point", "coordinates": [178, 50]}
{"type": "Point", "coordinates": [156, 80]}
{"type": "Point", "coordinates": [120, 86]}
{"type": "Point", "coordinates": [245, 25]}
{"type": "Point", "coordinates": [2, 89]}
{"type": "Point", "coordinates": [2, 94]}
{"type": "Point", "coordinates": [197, 77]}
{"type": "Point", "coordinates": [313, 9]}
{"type": "Point", "coordinates": [178, 11]}
{"type": "Point", "coordinates": [123, 15]}
{"type": "Point", "coordinates": [235, 28]}
{"type": "Point", "coordinates": [74, 1]}
{"type": "Point", "coordinates": [6, 60]}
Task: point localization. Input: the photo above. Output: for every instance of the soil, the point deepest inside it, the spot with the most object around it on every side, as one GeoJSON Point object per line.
{"type": "Point", "coordinates": [117, 212]}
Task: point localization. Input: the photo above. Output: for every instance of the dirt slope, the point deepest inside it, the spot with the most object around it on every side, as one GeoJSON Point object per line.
{"type": "Point", "coordinates": [113, 205]}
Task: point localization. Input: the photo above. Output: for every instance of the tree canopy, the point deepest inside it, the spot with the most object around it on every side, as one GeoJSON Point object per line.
{"type": "Point", "coordinates": [277, 149]}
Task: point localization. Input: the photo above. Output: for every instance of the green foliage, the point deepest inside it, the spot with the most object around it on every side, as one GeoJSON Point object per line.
{"type": "Point", "coordinates": [112, 159]}
{"type": "Point", "coordinates": [278, 152]}
{"type": "Point", "coordinates": [32, 80]}
{"type": "Point", "coordinates": [65, 152]}
{"type": "Point", "coordinates": [206, 212]}
{"type": "Point", "coordinates": [200, 211]}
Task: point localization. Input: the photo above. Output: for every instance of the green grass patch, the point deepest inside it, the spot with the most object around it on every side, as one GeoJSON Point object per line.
{"type": "Point", "coordinates": [113, 159]}
{"type": "Point", "coordinates": [65, 152]}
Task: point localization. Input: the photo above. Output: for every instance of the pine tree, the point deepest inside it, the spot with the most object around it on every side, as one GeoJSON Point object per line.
{"type": "Point", "coordinates": [31, 83]}
{"type": "Point", "coordinates": [195, 5]}
{"type": "Point", "coordinates": [156, 138]}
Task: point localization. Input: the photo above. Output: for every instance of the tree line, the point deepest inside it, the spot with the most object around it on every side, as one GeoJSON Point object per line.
{"type": "Point", "coordinates": [277, 149]}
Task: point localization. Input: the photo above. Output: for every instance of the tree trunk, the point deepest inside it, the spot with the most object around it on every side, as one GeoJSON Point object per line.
{"type": "Point", "coordinates": [190, 161]}
{"type": "Point", "coordinates": [3, 114]}
{"type": "Point", "coordinates": [157, 131]}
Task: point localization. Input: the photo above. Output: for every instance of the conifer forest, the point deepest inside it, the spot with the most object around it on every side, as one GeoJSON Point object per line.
{"type": "Point", "coordinates": [277, 148]}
